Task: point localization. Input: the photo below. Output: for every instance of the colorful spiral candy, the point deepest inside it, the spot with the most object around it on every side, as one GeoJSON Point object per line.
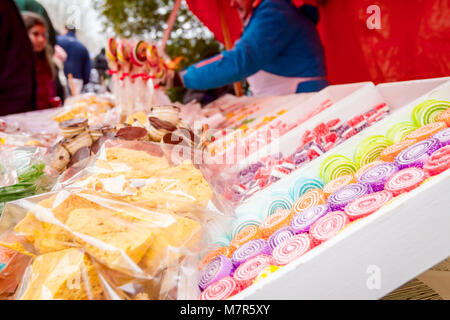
{"type": "Point", "coordinates": [399, 131]}
{"type": "Point", "coordinates": [417, 154]}
{"type": "Point", "coordinates": [438, 162]}
{"type": "Point", "coordinates": [339, 199]}
{"type": "Point", "coordinates": [279, 236]}
{"type": "Point", "coordinates": [377, 176]}
{"type": "Point", "coordinates": [366, 205]}
{"type": "Point", "coordinates": [266, 273]}
{"type": "Point", "coordinates": [111, 50]}
{"type": "Point", "coordinates": [250, 232]}
{"type": "Point", "coordinates": [444, 117]}
{"type": "Point", "coordinates": [247, 272]}
{"type": "Point", "coordinates": [280, 202]}
{"type": "Point", "coordinates": [367, 167]}
{"type": "Point", "coordinates": [443, 136]}
{"type": "Point", "coordinates": [217, 269]}
{"type": "Point", "coordinates": [222, 240]}
{"type": "Point", "coordinates": [243, 222]}
{"type": "Point", "coordinates": [221, 290]}
{"type": "Point", "coordinates": [310, 199]}
{"type": "Point", "coordinates": [426, 112]}
{"type": "Point", "coordinates": [291, 249]}
{"type": "Point", "coordinates": [369, 150]}
{"type": "Point", "coordinates": [249, 250]}
{"type": "Point", "coordinates": [328, 226]}
{"type": "Point", "coordinates": [138, 54]}
{"type": "Point", "coordinates": [210, 256]}
{"type": "Point", "coordinates": [303, 185]}
{"type": "Point", "coordinates": [405, 180]}
{"type": "Point", "coordinates": [274, 222]}
{"type": "Point", "coordinates": [391, 152]}
{"type": "Point", "coordinates": [336, 184]}
{"type": "Point", "coordinates": [427, 131]}
{"type": "Point", "coordinates": [302, 221]}
{"type": "Point", "coordinates": [335, 166]}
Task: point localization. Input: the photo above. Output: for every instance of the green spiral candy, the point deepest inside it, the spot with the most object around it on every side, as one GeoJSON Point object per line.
{"type": "Point", "coordinates": [335, 166]}
{"type": "Point", "coordinates": [426, 112]}
{"type": "Point", "coordinates": [399, 131]}
{"type": "Point", "coordinates": [370, 149]}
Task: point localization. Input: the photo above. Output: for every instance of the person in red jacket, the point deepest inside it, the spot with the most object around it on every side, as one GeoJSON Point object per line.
{"type": "Point", "coordinates": [45, 68]}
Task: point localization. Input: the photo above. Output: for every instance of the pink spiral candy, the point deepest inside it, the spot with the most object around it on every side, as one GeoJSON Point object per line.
{"type": "Point", "coordinates": [221, 290]}
{"type": "Point", "coordinates": [291, 249]}
{"type": "Point", "coordinates": [368, 204]}
{"type": "Point", "coordinates": [217, 269]}
{"type": "Point", "coordinates": [249, 270]}
{"type": "Point", "coordinates": [405, 181]}
{"type": "Point", "coordinates": [328, 226]}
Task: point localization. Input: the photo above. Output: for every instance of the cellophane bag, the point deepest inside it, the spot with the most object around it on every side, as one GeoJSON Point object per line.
{"type": "Point", "coordinates": [130, 225]}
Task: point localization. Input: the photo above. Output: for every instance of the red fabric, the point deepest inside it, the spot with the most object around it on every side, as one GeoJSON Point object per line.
{"type": "Point", "coordinates": [46, 87]}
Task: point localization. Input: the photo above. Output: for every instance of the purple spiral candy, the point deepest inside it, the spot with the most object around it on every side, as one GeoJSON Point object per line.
{"type": "Point", "coordinates": [339, 199]}
{"type": "Point", "coordinates": [278, 237]}
{"type": "Point", "coordinates": [417, 154]}
{"type": "Point", "coordinates": [443, 136]}
{"type": "Point", "coordinates": [301, 222]}
{"type": "Point", "coordinates": [377, 176]}
{"type": "Point", "coordinates": [217, 269]}
{"type": "Point", "coordinates": [249, 250]}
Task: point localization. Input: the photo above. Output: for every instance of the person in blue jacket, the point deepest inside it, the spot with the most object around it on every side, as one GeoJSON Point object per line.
{"type": "Point", "coordinates": [78, 62]}
{"type": "Point", "coordinates": [280, 52]}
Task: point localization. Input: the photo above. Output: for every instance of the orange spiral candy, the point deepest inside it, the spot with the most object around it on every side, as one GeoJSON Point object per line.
{"type": "Point", "coordinates": [272, 223]}
{"type": "Point", "coordinates": [336, 184]}
{"type": "Point", "coordinates": [426, 131]}
{"type": "Point", "coordinates": [392, 151]}
{"type": "Point", "coordinates": [444, 116]}
{"type": "Point", "coordinates": [251, 232]}
{"type": "Point", "coordinates": [367, 167]}
{"type": "Point", "coordinates": [310, 199]}
{"type": "Point", "coordinates": [210, 256]}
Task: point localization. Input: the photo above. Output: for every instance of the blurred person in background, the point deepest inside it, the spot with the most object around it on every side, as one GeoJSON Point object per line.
{"type": "Point", "coordinates": [101, 65]}
{"type": "Point", "coordinates": [78, 62]}
{"type": "Point", "coordinates": [17, 68]}
{"type": "Point", "coordinates": [45, 69]}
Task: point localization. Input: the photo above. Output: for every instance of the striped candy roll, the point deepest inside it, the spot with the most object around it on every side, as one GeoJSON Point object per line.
{"type": "Point", "coordinates": [266, 273]}
{"type": "Point", "coordinates": [217, 269]}
{"type": "Point", "coordinates": [249, 250]}
{"type": "Point", "coordinates": [223, 240]}
{"type": "Point", "coordinates": [417, 154]}
{"type": "Point", "coordinates": [367, 167]}
{"type": "Point", "coordinates": [210, 256]}
{"type": "Point", "coordinates": [302, 221]}
{"type": "Point", "coordinates": [221, 290]}
{"type": "Point", "coordinates": [443, 136]}
{"type": "Point", "coordinates": [247, 272]}
{"type": "Point", "coordinates": [243, 222]}
{"type": "Point", "coordinates": [366, 205]}
{"type": "Point", "coordinates": [291, 249]}
{"type": "Point", "coordinates": [279, 201]}
{"type": "Point", "coordinates": [279, 236]}
{"type": "Point", "coordinates": [336, 184]}
{"type": "Point", "coordinates": [405, 180]}
{"type": "Point", "coordinates": [328, 226]}
{"type": "Point", "coordinates": [335, 166]}
{"type": "Point", "coordinates": [248, 233]}
{"type": "Point", "coordinates": [391, 152]}
{"type": "Point", "coordinates": [426, 131]}
{"type": "Point", "coordinates": [377, 176]}
{"type": "Point", "coordinates": [339, 199]}
{"type": "Point", "coordinates": [438, 162]}
{"type": "Point", "coordinates": [370, 149]}
{"type": "Point", "coordinates": [303, 185]}
{"type": "Point", "coordinates": [444, 117]}
{"type": "Point", "coordinates": [274, 222]}
{"type": "Point", "coordinates": [427, 112]}
{"type": "Point", "coordinates": [400, 130]}
{"type": "Point", "coordinates": [310, 199]}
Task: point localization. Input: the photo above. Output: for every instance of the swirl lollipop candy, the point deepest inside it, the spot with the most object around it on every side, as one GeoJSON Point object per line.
{"type": "Point", "coordinates": [221, 290]}
{"type": "Point", "coordinates": [405, 180]}
{"type": "Point", "coordinates": [274, 222]}
{"type": "Point", "coordinates": [247, 272]}
{"type": "Point", "coordinates": [328, 226]}
{"type": "Point", "coordinates": [443, 136]}
{"type": "Point", "coordinates": [368, 204]}
{"type": "Point", "coordinates": [377, 176]}
{"type": "Point", "coordinates": [291, 249]}
{"type": "Point", "coordinates": [438, 162]}
{"type": "Point", "coordinates": [279, 236]}
{"type": "Point", "coordinates": [139, 73]}
{"type": "Point", "coordinates": [335, 166]}
{"type": "Point", "coordinates": [417, 154]}
{"type": "Point", "coordinates": [249, 250]}
{"type": "Point", "coordinates": [391, 152]}
{"type": "Point", "coordinates": [310, 199]}
{"type": "Point", "coordinates": [250, 232]}
{"type": "Point", "coordinates": [338, 183]}
{"type": "Point", "coordinates": [302, 221]}
{"type": "Point", "coordinates": [339, 199]}
{"type": "Point", "coordinates": [427, 131]}
{"type": "Point", "coordinates": [217, 269]}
